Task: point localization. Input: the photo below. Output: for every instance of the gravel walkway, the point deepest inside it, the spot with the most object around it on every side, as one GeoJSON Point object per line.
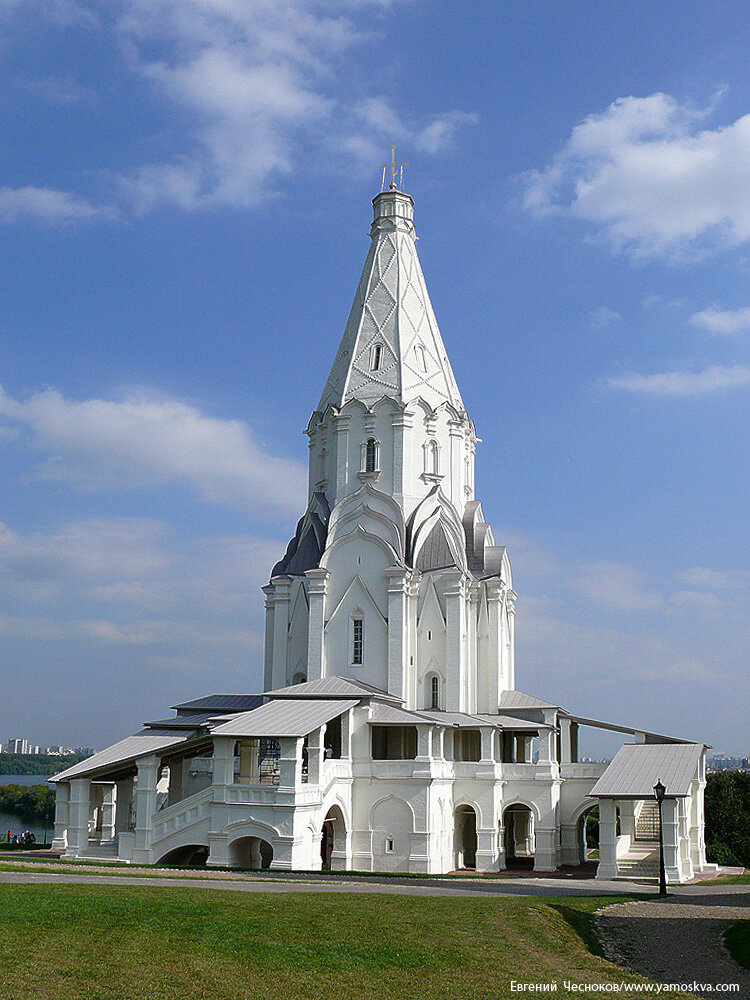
{"type": "Point", "coordinates": [676, 940]}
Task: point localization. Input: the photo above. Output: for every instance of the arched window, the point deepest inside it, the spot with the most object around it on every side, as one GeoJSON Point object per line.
{"type": "Point", "coordinates": [371, 455]}
{"type": "Point", "coordinates": [376, 357]}
{"type": "Point", "coordinates": [435, 692]}
{"type": "Point", "coordinates": [421, 357]}
{"type": "Point", "coordinates": [434, 458]}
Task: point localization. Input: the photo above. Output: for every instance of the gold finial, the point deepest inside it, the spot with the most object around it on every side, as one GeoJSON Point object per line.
{"type": "Point", "coordinates": [391, 167]}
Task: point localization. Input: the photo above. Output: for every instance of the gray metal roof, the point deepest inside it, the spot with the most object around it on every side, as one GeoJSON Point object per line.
{"type": "Point", "coordinates": [127, 750]}
{"type": "Point", "coordinates": [285, 717]}
{"type": "Point", "coordinates": [186, 721]}
{"type": "Point", "coordinates": [638, 766]}
{"type": "Point", "coordinates": [457, 719]}
{"type": "Point", "coordinates": [221, 703]}
{"type": "Point", "coordinates": [511, 722]}
{"type": "Point", "coordinates": [615, 728]}
{"type": "Point", "coordinates": [517, 699]}
{"type": "Point", "coordinates": [392, 715]}
{"type": "Point", "coordinates": [332, 687]}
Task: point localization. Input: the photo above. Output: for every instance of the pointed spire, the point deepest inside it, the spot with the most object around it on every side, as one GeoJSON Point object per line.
{"type": "Point", "coordinates": [391, 344]}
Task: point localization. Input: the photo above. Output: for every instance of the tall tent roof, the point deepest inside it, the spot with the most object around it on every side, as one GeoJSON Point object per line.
{"type": "Point", "coordinates": [393, 316]}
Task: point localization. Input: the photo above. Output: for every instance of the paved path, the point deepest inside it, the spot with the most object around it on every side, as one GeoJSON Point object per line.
{"type": "Point", "coordinates": [678, 940]}
{"type": "Point", "coordinates": [417, 887]}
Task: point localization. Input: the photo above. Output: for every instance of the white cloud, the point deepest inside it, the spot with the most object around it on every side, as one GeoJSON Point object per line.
{"type": "Point", "coordinates": [651, 179]}
{"type": "Point", "coordinates": [716, 378]}
{"type": "Point", "coordinates": [49, 206]}
{"type": "Point", "coordinates": [704, 578]}
{"type": "Point", "coordinates": [724, 322]}
{"type": "Point", "coordinates": [256, 84]}
{"type": "Point", "coordinates": [616, 586]}
{"type": "Point", "coordinates": [100, 444]}
{"type": "Point", "coordinates": [603, 317]}
{"type": "Point", "coordinates": [57, 90]}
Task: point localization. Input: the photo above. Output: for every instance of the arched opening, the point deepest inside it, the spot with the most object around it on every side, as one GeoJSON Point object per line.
{"type": "Point", "coordinates": [333, 840]}
{"type": "Point", "coordinates": [188, 856]}
{"type": "Point", "coordinates": [299, 679]}
{"type": "Point", "coordinates": [371, 455]}
{"type": "Point", "coordinates": [250, 852]}
{"type": "Point", "coordinates": [587, 835]}
{"type": "Point", "coordinates": [376, 357]}
{"type": "Point", "coordinates": [465, 837]}
{"type": "Point", "coordinates": [518, 824]}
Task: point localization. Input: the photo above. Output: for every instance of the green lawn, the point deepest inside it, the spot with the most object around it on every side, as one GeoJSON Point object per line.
{"type": "Point", "coordinates": [74, 942]}
{"type": "Point", "coordinates": [737, 940]}
{"type": "Point", "coordinates": [743, 879]}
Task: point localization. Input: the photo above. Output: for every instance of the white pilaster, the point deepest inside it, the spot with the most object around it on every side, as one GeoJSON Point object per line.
{"type": "Point", "coordinates": [145, 806]}
{"type": "Point", "coordinates": [317, 590]}
{"type": "Point", "coordinates": [62, 816]}
{"type": "Point", "coordinates": [80, 808]}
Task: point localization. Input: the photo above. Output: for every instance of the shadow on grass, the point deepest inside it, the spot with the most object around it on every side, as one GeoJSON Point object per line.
{"type": "Point", "coordinates": [583, 923]}
{"type": "Point", "coordinates": [737, 940]}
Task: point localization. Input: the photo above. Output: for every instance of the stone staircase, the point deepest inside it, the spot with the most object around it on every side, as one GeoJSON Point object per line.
{"type": "Point", "coordinates": [642, 860]}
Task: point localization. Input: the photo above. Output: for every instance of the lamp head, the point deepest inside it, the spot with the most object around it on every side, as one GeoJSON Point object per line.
{"type": "Point", "coordinates": [659, 790]}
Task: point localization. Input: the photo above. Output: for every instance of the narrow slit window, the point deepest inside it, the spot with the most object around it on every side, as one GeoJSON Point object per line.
{"type": "Point", "coordinates": [435, 692]}
{"type": "Point", "coordinates": [371, 455]}
{"type": "Point", "coordinates": [358, 637]}
{"type": "Point", "coordinates": [421, 357]}
{"type": "Point", "coordinates": [377, 355]}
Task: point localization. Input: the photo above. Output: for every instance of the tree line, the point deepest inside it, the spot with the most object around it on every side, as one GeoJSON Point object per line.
{"type": "Point", "coordinates": [31, 803]}
{"type": "Point", "coordinates": [38, 763]}
{"type": "Point", "coordinates": [728, 818]}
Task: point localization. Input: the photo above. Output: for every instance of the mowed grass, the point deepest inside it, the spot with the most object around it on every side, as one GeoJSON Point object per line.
{"type": "Point", "coordinates": [75, 942]}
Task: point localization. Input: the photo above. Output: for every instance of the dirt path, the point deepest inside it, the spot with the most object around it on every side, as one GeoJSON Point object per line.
{"type": "Point", "coordinates": [678, 940]}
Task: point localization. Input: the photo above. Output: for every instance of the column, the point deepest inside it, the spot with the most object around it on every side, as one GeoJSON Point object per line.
{"type": "Point", "coordinates": [346, 735]}
{"type": "Point", "coordinates": [62, 816]}
{"type": "Point", "coordinates": [424, 743]}
{"type": "Point", "coordinates": [316, 592]}
{"type": "Point", "coordinates": [455, 596]}
{"type": "Point", "coordinates": [456, 460]}
{"type": "Point", "coordinates": [78, 828]}
{"type": "Point", "coordinates": [280, 629]}
{"type": "Point", "coordinates": [221, 780]}
{"type": "Point", "coordinates": [109, 793]}
{"type": "Point", "coordinates": [671, 834]}
{"type": "Point", "coordinates": [488, 745]}
{"type": "Point", "coordinates": [316, 756]}
{"type": "Point", "coordinates": [544, 848]}
{"type": "Point", "coordinates": [398, 582]}
{"type": "Point", "coordinates": [607, 839]}
{"type": "Point", "coordinates": [290, 763]}
{"type": "Point", "coordinates": [495, 590]}
{"type": "Point", "coordinates": [572, 853]}
{"type": "Point", "coordinates": [145, 806]}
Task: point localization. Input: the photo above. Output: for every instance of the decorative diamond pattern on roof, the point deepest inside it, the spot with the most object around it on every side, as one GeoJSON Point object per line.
{"type": "Point", "coordinates": [392, 308]}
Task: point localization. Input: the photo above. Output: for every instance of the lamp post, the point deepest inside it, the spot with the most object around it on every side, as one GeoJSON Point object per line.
{"type": "Point", "coordinates": [659, 791]}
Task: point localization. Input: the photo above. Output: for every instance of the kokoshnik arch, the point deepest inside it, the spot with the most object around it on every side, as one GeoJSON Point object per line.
{"type": "Point", "coordinates": [390, 735]}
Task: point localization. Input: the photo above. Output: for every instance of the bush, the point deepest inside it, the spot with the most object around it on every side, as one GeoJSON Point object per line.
{"type": "Point", "coordinates": [728, 818]}
{"type": "Point", "coordinates": [32, 803]}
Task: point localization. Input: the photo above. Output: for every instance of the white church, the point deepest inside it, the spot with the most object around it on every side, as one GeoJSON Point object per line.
{"type": "Point", "coordinates": [390, 735]}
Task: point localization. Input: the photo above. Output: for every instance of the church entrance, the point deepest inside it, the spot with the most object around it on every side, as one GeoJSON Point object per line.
{"type": "Point", "coordinates": [465, 837]}
{"type": "Point", "coordinates": [518, 824]}
{"type": "Point", "coordinates": [333, 838]}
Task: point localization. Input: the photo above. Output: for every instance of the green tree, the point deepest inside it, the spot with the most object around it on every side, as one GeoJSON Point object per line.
{"type": "Point", "coordinates": [728, 818]}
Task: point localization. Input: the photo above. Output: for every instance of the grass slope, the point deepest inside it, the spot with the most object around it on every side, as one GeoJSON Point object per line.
{"type": "Point", "coordinates": [93, 942]}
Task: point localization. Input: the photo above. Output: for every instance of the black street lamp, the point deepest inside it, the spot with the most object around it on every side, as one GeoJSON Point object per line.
{"type": "Point", "coordinates": [659, 791]}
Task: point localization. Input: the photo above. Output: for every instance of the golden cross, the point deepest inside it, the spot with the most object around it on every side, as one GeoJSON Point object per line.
{"type": "Point", "coordinates": [391, 167]}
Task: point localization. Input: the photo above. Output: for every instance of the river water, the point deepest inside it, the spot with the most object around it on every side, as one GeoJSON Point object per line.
{"type": "Point", "coordinates": [14, 823]}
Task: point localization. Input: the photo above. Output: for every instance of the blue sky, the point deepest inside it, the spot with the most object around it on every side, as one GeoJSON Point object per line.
{"type": "Point", "coordinates": [184, 203]}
